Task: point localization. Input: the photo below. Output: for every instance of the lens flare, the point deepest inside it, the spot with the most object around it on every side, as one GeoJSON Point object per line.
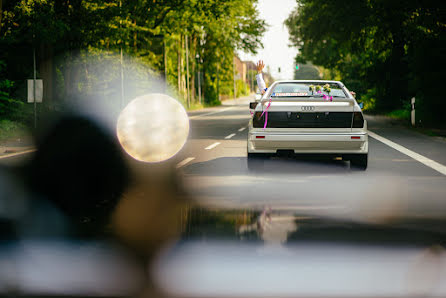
{"type": "Point", "coordinates": [153, 127]}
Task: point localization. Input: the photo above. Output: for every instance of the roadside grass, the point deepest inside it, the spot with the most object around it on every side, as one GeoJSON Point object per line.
{"type": "Point", "coordinates": [12, 130]}
{"type": "Point", "coordinates": [401, 114]}
{"type": "Point", "coordinates": [195, 106]}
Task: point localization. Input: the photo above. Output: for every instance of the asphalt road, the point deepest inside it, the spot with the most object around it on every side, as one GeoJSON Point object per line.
{"type": "Point", "coordinates": [213, 164]}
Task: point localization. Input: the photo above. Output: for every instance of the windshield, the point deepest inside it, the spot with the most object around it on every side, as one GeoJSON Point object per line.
{"type": "Point", "coordinates": [307, 90]}
{"type": "Point", "coordinates": [222, 148]}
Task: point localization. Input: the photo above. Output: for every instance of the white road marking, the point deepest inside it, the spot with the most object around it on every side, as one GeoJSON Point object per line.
{"type": "Point", "coordinates": [18, 153]}
{"type": "Point", "coordinates": [230, 136]}
{"type": "Point", "coordinates": [185, 162]}
{"type": "Point", "coordinates": [210, 113]}
{"type": "Point", "coordinates": [242, 129]}
{"type": "Point", "coordinates": [212, 146]}
{"type": "Point", "coordinates": [418, 157]}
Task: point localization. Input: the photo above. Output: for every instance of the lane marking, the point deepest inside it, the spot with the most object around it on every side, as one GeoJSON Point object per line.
{"type": "Point", "coordinates": [242, 129]}
{"type": "Point", "coordinates": [418, 157]}
{"type": "Point", "coordinates": [211, 113]}
{"type": "Point", "coordinates": [17, 153]}
{"type": "Point", "coordinates": [230, 136]}
{"type": "Point", "coordinates": [184, 162]}
{"type": "Point", "coordinates": [212, 146]}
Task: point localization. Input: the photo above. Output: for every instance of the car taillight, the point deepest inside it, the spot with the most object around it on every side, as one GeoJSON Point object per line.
{"type": "Point", "coordinates": [358, 120]}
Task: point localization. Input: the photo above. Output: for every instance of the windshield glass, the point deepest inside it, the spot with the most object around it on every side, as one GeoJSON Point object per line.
{"type": "Point", "coordinates": [307, 89]}
{"type": "Point", "coordinates": [222, 148]}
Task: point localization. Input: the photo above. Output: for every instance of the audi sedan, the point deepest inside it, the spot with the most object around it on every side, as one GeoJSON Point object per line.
{"type": "Point", "coordinates": [308, 117]}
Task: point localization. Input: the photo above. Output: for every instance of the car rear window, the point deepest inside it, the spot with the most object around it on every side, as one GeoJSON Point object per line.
{"type": "Point", "coordinates": [307, 90]}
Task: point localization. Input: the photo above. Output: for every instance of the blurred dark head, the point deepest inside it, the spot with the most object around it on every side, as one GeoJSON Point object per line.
{"type": "Point", "coordinates": [80, 169]}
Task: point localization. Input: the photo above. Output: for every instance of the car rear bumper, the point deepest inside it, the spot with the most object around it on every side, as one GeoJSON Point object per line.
{"type": "Point", "coordinates": [345, 143]}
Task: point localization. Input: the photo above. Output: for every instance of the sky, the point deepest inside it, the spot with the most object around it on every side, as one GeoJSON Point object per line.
{"type": "Point", "coordinates": [276, 52]}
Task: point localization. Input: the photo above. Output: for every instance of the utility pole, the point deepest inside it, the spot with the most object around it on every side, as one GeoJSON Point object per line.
{"type": "Point", "coordinates": [34, 82]}
{"type": "Point", "coordinates": [187, 71]}
{"type": "Point", "coordinates": [199, 79]}
{"type": "Point", "coordinates": [121, 60]}
{"type": "Point", "coordinates": [233, 76]}
{"type": "Point", "coordinates": [165, 64]}
{"type": "Point", "coordinates": [218, 81]}
{"type": "Point", "coordinates": [34, 71]}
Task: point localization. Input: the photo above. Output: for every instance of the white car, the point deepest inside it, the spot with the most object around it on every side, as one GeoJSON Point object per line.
{"type": "Point", "coordinates": [317, 117]}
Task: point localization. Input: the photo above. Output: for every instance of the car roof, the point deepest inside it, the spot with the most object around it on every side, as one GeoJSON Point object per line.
{"type": "Point", "coordinates": [310, 81]}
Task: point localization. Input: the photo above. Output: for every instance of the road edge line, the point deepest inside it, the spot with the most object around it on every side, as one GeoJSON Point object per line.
{"type": "Point", "coordinates": [210, 113]}
{"type": "Point", "coordinates": [17, 153]}
{"type": "Point", "coordinates": [418, 157]}
{"type": "Point", "coordinates": [184, 162]}
{"type": "Point", "coordinates": [212, 146]}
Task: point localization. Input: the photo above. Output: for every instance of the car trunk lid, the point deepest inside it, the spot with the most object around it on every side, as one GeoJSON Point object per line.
{"type": "Point", "coordinates": [306, 114]}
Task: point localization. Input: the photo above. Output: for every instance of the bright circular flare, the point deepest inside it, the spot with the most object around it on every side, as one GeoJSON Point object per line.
{"type": "Point", "coordinates": [153, 127]}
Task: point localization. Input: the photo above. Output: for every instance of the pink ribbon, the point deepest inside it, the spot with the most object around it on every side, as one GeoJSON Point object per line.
{"type": "Point", "coordinates": [326, 97]}
{"type": "Point", "coordinates": [266, 114]}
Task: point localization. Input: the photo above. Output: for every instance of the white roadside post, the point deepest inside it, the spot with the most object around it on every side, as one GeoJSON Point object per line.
{"type": "Point", "coordinates": [412, 113]}
{"type": "Point", "coordinates": [35, 95]}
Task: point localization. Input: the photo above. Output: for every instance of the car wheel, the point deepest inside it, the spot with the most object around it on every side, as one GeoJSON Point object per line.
{"type": "Point", "coordinates": [255, 161]}
{"type": "Point", "coordinates": [359, 161]}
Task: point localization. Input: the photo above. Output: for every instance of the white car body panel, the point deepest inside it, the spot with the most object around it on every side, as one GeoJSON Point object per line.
{"type": "Point", "coordinates": [345, 140]}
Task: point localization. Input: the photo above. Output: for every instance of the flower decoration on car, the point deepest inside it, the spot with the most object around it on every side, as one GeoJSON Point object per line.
{"type": "Point", "coordinates": [328, 90]}
{"type": "Point", "coordinates": [311, 88]}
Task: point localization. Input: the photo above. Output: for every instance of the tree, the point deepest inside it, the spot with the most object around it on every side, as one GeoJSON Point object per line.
{"type": "Point", "coordinates": [72, 38]}
{"type": "Point", "coordinates": [376, 47]}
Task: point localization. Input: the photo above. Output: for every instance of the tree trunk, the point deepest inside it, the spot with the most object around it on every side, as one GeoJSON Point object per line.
{"type": "Point", "coordinates": [87, 75]}
{"type": "Point", "coordinates": [135, 38]}
{"type": "Point", "coordinates": [67, 78]}
{"type": "Point", "coordinates": [71, 75]}
{"type": "Point", "coordinates": [193, 51]}
{"type": "Point", "coordinates": [179, 65]}
{"type": "Point", "coordinates": [183, 76]}
{"type": "Point", "coordinates": [165, 59]}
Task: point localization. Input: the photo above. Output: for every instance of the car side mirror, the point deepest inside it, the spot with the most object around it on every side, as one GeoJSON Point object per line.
{"type": "Point", "coordinates": [253, 105]}
{"type": "Point", "coordinates": [361, 105]}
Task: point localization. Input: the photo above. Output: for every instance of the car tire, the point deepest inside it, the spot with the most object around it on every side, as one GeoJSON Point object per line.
{"type": "Point", "coordinates": [359, 162]}
{"type": "Point", "coordinates": [255, 161]}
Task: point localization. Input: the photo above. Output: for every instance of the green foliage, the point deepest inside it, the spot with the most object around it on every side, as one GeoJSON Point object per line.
{"type": "Point", "coordinates": [11, 129]}
{"type": "Point", "coordinates": [400, 114]}
{"type": "Point", "coordinates": [75, 39]}
{"type": "Point", "coordinates": [242, 88]}
{"type": "Point", "coordinates": [385, 50]}
{"type": "Point", "coordinates": [9, 108]}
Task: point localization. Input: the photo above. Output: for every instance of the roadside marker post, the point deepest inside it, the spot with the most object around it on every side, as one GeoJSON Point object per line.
{"type": "Point", "coordinates": [412, 113]}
